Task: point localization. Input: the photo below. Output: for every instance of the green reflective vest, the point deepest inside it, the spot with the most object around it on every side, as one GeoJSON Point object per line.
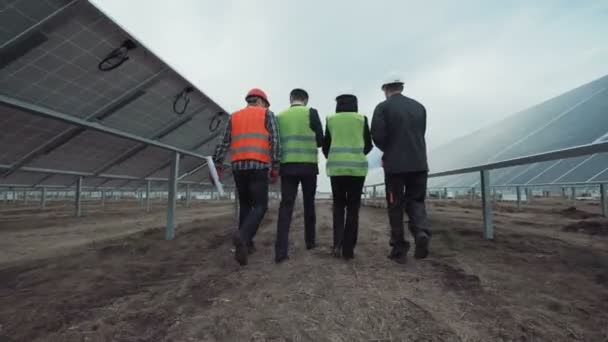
{"type": "Point", "coordinates": [298, 141]}
{"type": "Point", "coordinates": [346, 157]}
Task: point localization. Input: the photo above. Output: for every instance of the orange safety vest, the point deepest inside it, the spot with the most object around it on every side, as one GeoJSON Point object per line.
{"type": "Point", "coordinates": [249, 138]}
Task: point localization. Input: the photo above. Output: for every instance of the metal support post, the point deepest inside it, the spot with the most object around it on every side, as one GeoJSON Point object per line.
{"type": "Point", "coordinates": [518, 190]}
{"type": "Point", "coordinates": [564, 194]}
{"type": "Point", "coordinates": [148, 187]}
{"type": "Point", "coordinates": [486, 205]}
{"type": "Point", "coordinates": [374, 192]}
{"type": "Point", "coordinates": [187, 195]}
{"type": "Point", "coordinates": [103, 198]}
{"type": "Point", "coordinates": [77, 203]}
{"type": "Point", "coordinates": [528, 193]}
{"type": "Point", "coordinates": [445, 193]}
{"type": "Point", "coordinates": [43, 198]}
{"type": "Point", "coordinates": [472, 194]}
{"type": "Point", "coordinates": [494, 195]}
{"type": "Point", "coordinates": [24, 196]}
{"type": "Point", "coordinates": [573, 195]}
{"type": "Point", "coordinates": [604, 199]}
{"type": "Point", "coordinates": [6, 197]}
{"type": "Point", "coordinates": [171, 202]}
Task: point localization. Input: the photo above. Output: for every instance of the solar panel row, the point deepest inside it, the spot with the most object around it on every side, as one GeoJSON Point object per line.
{"type": "Point", "coordinates": [575, 118]}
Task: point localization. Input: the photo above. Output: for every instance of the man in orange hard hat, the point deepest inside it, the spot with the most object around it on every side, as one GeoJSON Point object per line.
{"type": "Point", "coordinates": [252, 137]}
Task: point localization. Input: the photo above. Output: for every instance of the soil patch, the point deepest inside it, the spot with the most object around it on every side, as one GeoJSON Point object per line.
{"type": "Point", "coordinates": [577, 214]}
{"type": "Point", "coordinates": [591, 227]}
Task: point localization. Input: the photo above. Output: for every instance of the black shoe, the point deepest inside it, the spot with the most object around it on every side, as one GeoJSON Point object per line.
{"type": "Point", "coordinates": [348, 255]}
{"type": "Point", "coordinates": [337, 252]}
{"type": "Point", "coordinates": [399, 255]}
{"type": "Point", "coordinates": [422, 246]}
{"type": "Point", "coordinates": [240, 254]}
{"type": "Point", "coordinates": [251, 249]}
{"type": "Point", "coordinates": [311, 246]}
{"type": "Point", "coordinates": [281, 259]}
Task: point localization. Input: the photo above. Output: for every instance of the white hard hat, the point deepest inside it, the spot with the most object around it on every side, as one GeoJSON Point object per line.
{"type": "Point", "coordinates": [391, 80]}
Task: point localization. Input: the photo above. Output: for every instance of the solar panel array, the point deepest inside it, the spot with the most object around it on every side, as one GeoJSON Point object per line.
{"type": "Point", "coordinates": [577, 117]}
{"type": "Point", "coordinates": [57, 54]}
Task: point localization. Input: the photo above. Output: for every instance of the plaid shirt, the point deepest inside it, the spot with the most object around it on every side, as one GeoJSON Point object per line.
{"type": "Point", "coordinates": [275, 147]}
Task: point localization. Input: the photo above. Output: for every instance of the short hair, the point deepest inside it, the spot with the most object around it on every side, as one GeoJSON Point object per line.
{"type": "Point", "coordinates": [346, 103]}
{"type": "Point", "coordinates": [253, 100]}
{"type": "Point", "coordinates": [299, 94]}
{"type": "Point", "coordinates": [393, 87]}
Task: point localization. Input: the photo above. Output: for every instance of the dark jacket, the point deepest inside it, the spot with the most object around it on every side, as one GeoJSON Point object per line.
{"type": "Point", "coordinates": [398, 129]}
{"type": "Point", "coordinates": [304, 169]}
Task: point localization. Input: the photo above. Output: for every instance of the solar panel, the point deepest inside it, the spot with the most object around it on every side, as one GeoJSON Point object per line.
{"type": "Point", "coordinates": [67, 56]}
{"type": "Point", "coordinates": [143, 163]}
{"type": "Point", "coordinates": [86, 152]}
{"type": "Point", "coordinates": [22, 133]}
{"type": "Point", "coordinates": [23, 178]}
{"type": "Point", "coordinates": [59, 180]}
{"type": "Point", "coordinates": [592, 166]}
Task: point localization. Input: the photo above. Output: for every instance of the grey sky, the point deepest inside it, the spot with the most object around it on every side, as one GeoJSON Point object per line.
{"type": "Point", "coordinates": [469, 62]}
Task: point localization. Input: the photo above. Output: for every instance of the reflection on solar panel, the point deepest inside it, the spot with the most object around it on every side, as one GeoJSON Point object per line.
{"type": "Point", "coordinates": [575, 118]}
{"type": "Point", "coordinates": [66, 58]}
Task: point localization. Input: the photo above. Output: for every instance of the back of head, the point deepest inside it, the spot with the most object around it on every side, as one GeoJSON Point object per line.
{"type": "Point", "coordinates": [298, 95]}
{"type": "Point", "coordinates": [346, 103]}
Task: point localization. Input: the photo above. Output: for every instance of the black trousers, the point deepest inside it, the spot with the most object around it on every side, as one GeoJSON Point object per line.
{"type": "Point", "coordinates": [289, 191]}
{"type": "Point", "coordinates": [346, 191]}
{"type": "Point", "coordinates": [252, 188]}
{"type": "Point", "coordinates": [406, 192]}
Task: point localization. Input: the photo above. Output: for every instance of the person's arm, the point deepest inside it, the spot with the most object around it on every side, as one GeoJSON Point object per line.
{"type": "Point", "coordinates": [326, 141]}
{"type": "Point", "coordinates": [315, 126]}
{"type": "Point", "coordinates": [274, 139]}
{"type": "Point", "coordinates": [424, 125]}
{"type": "Point", "coordinates": [367, 137]}
{"type": "Point", "coordinates": [223, 147]}
{"type": "Point", "coordinates": [379, 127]}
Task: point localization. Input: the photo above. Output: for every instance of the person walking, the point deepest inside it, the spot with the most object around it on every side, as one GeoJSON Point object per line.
{"type": "Point", "coordinates": [252, 137]}
{"type": "Point", "coordinates": [346, 144]}
{"type": "Point", "coordinates": [301, 135]}
{"type": "Point", "coordinates": [398, 130]}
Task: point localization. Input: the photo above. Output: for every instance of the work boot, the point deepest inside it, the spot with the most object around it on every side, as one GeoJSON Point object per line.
{"type": "Point", "coordinates": [422, 246]}
{"type": "Point", "coordinates": [310, 246]}
{"type": "Point", "coordinates": [399, 254]}
{"type": "Point", "coordinates": [240, 253]}
{"type": "Point", "coordinates": [281, 259]}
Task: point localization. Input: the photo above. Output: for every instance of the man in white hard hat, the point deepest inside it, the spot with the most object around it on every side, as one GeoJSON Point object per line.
{"type": "Point", "coordinates": [398, 129]}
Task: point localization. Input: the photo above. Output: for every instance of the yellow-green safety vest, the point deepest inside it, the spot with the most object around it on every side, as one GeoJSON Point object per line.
{"type": "Point", "coordinates": [346, 156]}
{"type": "Point", "coordinates": [298, 140]}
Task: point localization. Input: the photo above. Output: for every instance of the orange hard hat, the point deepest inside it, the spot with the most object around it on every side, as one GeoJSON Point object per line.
{"type": "Point", "coordinates": [257, 93]}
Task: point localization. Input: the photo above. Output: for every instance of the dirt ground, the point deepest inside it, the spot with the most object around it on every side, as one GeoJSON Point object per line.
{"type": "Point", "coordinates": [110, 276]}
